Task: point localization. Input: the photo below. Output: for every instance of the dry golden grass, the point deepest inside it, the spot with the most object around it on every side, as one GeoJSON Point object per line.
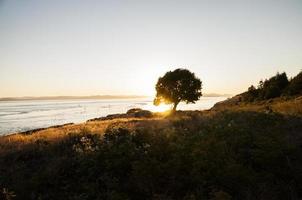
{"type": "Point", "coordinates": [52, 135]}
{"type": "Point", "coordinates": [293, 107]}
{"type": "Point", "coordinates": [287, 107]}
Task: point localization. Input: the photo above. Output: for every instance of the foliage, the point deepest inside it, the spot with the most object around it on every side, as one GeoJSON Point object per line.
{"type": "Point", "coordinates": [251, 94]}
{"type": "Point", "coordinates": [295, 86]}
{"type": "Point", "coordinates": [190, 155]}
{"type": "Point", "coordinates": [276, 86]}
{"type": "Point", "coordinates": [176, 86]}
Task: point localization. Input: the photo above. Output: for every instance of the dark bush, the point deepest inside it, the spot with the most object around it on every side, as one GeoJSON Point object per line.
{"type": "Point", "coordinates": [251, 94]}
{"type": "Point", "coordinates": [295, 86]}
{"type": "Point", "coordinates": [273, 87]}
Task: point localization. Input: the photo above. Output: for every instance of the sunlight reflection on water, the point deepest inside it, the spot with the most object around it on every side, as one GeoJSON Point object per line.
{"type": "Point", "coordinates": [18, 116]}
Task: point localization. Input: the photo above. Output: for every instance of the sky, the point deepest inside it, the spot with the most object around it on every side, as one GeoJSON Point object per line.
{"type": "Point", "coordinates": [77, 47]}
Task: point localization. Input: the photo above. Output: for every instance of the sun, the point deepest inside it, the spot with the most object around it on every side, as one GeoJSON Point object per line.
{"type": "Point", "coordinates": [160, 108]}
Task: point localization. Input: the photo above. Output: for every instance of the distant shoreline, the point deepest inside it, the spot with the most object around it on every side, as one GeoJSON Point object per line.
{"type": "Point", "coordinates": [91, 97]}
{"type": "Point", "coordinates": [71, 97]}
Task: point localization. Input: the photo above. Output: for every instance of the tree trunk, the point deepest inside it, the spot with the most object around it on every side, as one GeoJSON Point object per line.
{"type": "Point", "coordinates": [174, 106]}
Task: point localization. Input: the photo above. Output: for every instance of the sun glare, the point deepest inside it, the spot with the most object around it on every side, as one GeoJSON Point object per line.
{"type": "Point", "coordinates": [160, 108]}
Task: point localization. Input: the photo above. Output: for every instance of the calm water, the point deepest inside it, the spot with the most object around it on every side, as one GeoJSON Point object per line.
{"type": "Point", "coordinates": [16, 116]}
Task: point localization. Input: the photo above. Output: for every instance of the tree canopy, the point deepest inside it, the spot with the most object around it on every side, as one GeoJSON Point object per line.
{"type": "Point", "coordinates": [176, 86]}
{"type": "Point", "coordinates": [295, 86]}
{"type": "Point", "coordinates": [276, 86]}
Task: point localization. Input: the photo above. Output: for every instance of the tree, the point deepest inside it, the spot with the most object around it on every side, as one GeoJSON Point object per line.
{"type": "Point", "coordinates": [251, 94]}
{"type": "Point", "coordinates": [295, 85]}
{"type": "Point", "coordinates": [176, 86]}
{"type": "Point", "coordinates": [274, 86]}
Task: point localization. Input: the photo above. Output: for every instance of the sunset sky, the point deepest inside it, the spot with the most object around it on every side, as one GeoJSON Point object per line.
{"type": "Point", "coordinates": [82, 47]}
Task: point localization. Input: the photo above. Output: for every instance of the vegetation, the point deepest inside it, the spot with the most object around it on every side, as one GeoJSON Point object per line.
{"type": "Point", "coordinates": [189, 155]}
{"type": "Point", "coordinates": [295, 85]}
{"type": "Point", "coordinates": [276, 86]}
{"type": "Point", "coordinates": [176, 86]}
{"type": "Point", "coordinates": [282, 105]}
{"type": "Point", "coordinates": [274, 95]}
{"type": "Point", "coordinates": [236, 150]}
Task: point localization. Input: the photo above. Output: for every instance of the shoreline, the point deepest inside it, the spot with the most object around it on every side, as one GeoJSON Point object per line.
{"type": "Point", "coordinates": [132, 113]}
{"type": "Point", "coordinates": [278, 105]}
{"type": "Point", "coordinates": [80, 112]}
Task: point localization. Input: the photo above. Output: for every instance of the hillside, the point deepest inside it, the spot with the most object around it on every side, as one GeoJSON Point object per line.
{"type": "Point", "coordinates": [217, 154]}
{"type": "Point", "coordinates": [282, 105]}
{"type": "Point", "coordinates": [276, 94]}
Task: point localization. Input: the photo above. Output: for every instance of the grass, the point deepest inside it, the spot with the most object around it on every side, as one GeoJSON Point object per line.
{"type": "Point", "coordinates": [17, 142]}
{"type": "Point", "coordinates": [291, 106]}
{"type": "Point", "coordinates": [241, 152]}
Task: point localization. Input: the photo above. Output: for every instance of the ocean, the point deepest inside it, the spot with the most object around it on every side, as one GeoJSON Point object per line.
{"type": "Point", "coordinates": [17, 116]}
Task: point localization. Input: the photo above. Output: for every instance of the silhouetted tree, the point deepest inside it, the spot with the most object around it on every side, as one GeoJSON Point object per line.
{"type": "Point", "coordinates": [274, 86]}
{"type": "Point", "coordinates": [251, 94]}
{"type": "Point", "coordinates": [176, 86]}
{"type": "Point", "coordinates": [295, 85]}
{"type": "Point", "coordinates": [282, 80]}
{"type": "Point", "coordinates": [260, 85]}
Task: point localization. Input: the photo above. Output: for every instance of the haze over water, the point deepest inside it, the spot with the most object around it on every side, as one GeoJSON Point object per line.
{"type": "Point", "coordinates": [16, 116]}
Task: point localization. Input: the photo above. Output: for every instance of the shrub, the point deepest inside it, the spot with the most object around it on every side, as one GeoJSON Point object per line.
{"type": "Point", "coordinates": [295, 86]}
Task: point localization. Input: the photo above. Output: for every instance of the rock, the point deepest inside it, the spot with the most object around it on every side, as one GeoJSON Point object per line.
{"type": "Point", "coordinates": [138, 112]}
{"type": "Point", "coordinates": [143, 113]}
{"type": "Point", "coordinates": [134, 112]}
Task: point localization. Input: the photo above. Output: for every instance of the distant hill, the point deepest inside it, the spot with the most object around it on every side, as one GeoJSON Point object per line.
{"type": "Point", "coordinates": [94, 97]}
{"type": "Point", "coordinates": [72, 97]}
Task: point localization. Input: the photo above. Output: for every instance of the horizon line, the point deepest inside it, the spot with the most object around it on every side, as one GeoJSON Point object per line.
{"type": "Point", "coordinates": [20, 98]}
